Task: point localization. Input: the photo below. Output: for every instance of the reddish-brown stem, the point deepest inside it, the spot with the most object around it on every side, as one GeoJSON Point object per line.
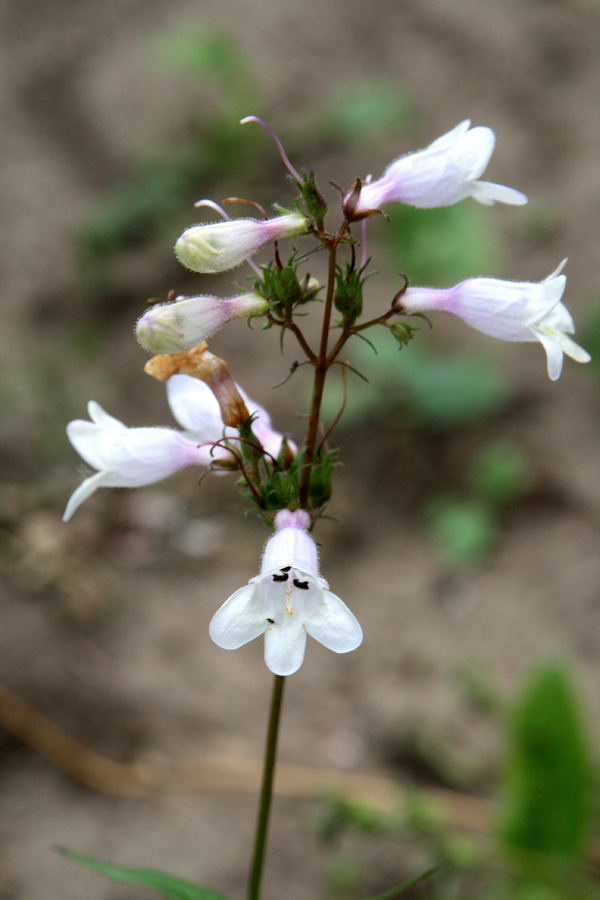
{"type": "Point", "coordinates": [259, 500]}
{"type": "Point", "coordinates": [340, 411]}
{"type": "Point", "coordinates": [321, 364]}
{"type": "Point", "coordinates": [309, 352]}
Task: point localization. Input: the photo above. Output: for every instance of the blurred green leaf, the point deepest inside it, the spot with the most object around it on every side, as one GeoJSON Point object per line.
{"type": "Point", "coordinates": [500, 473]}
{"type": "Point", "coordinates": [452, 391]}
{"type": "Point", "coordinates": [440, 247]}
{"type": "Point", "coordinates": [167, 885]}
{"type": "Point", "coordinates": [367, 109]}
{"type": "Point", "coordinates": [474, 681]}
{"type": "Point", "coordinates": [463, 530]}
{"type": "Point", "coordinates": [439, 391]}
{"type": "Point", "coordinates": [548, 786]}
{"type": "Point", "coordinates": [199, 52]}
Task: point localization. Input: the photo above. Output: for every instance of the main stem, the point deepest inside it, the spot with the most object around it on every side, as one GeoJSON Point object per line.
{"type": "Point", "coordinates": [321, 367]}
{"type": "Point", "coordinates": [266, 792]}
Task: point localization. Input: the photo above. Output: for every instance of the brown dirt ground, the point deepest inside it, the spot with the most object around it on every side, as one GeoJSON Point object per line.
{"type": "Point", "coordinates": [104, 621]}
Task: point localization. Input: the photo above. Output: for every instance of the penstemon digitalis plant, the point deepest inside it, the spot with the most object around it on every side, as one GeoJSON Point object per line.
{"type": "Point", "coordinates": [290, 485]}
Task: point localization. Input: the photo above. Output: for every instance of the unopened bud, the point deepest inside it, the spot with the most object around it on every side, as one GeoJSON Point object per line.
{"type": "Point", "coordinates": [224, 245]}
{"type": "Point", "coordinates": [175, 327]}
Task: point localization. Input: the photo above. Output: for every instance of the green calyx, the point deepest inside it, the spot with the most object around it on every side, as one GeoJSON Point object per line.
{"type": "Point", "coordinates": [403, 333]}
{"type": "Point", "coordinates": [282, 288]}
{"type": "Point", "coordinates": [280, 488]}
{"type": "Point", "coordinates": [314, 201]}
{"type": "Point", "coordinates": [348, 297]}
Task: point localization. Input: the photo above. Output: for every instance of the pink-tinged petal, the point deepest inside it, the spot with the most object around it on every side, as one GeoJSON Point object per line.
{"type": "Point", "coordinates": [85, 490]}
{"type": "Point", "coordinates": [129, 457]}
{"type": "Point", "coordinates": [554, 353]}
{"type": "Point", "coordinates": [178, 326]}
{"type": "Point", "coordinates": [509, 311]}
{"type": "Point", "coordinates": [573, 350]}
{"type": "Point", "coordinates": [239, 620]}
{"type": "Point", "coordinates": [290, 547]}
{"type": "Point", "coordinates": [195, 407]}
{"type": "Point", "coordinates": [219, 246]}
{"type": "Point", "coordinates": [284, 647]}
{"type": "Point", "coordinates": [441, 174]}
{"type": "Point", "coordinates": [333, 625]}
{"type": "Point", "coordinates": [146, 455]}
{"type": "Point", "coordinates": [101, 417]}
{"type": "Point", "coordinates": [488, 193]}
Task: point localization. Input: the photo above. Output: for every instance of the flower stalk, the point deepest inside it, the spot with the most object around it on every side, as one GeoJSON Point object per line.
{"type": "Point", "coordinates": [266, 791]}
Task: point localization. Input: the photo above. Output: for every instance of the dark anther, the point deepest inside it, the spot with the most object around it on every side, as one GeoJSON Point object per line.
{"type": "Point", "coordinates": [285, 569]}
{"type": "Point", "coordinates": [282, 577]}
{"type": "Point", "coordinates": [302, 585]}
{"type": "Point", "coordinates": [270, 621]}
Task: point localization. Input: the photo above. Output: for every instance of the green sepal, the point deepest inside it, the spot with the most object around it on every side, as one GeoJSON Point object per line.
{"type": "Point", "coordinates": [168, 885]}
{"type": "Point", "coordinates": [314, 201]}
{"type": "Point", "coordinates": [319, 488]}
{"type": "Point", "coordinates": [403, 333]}
{"type": "Point", "coordinates": [280, 489]}
{"type": "Point", "coordinates": [348, 296]}
{"type": "Point", "coordinates": [251, 448]}
{"type": "Point", "coordinates": [280, 287]}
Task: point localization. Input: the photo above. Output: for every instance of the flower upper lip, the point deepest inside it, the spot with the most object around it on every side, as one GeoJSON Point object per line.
{"type": "Point", "coordinates": [441, 174]}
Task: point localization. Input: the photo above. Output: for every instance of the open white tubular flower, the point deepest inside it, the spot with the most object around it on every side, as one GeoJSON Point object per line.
{"type": "Point", "coordinates": [220, 246]}
{"type": "Point", "coordinates": [175, 327]}
{"type": "Point", "coordinates": [442, 174]}
{"type": "Point", "coordinates": [287, 601]}
{"type": "Point", "coordinates": [128, 457]}
{"type": "Point", "coordinates": [508, 310]}
{"type": "Point", "coordinates": [134, 457]}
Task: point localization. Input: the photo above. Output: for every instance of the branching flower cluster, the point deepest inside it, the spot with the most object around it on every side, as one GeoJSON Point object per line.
{"type": "Point", "coordinates": [223, 430]}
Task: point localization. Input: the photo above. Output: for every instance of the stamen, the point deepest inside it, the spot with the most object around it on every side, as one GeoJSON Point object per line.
{"type": "Point", "coordinates": [270, 621]}
{"type": "Point", "coordinates": [285, 568]}
{"type": "Point", "coordinates": [278, 144]}
{"type": "Point", "coordinates": [282, 577]}
{"type": "Point", "coordinates": [302, 585]}
{"type": "Point", "coordinates": [212, 205]}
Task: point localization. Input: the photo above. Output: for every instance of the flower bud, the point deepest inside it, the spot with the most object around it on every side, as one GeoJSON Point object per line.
{"type": "Point", "coordinates": [221, 246]}
{"type": "Point", "coordinates": [175, 327]}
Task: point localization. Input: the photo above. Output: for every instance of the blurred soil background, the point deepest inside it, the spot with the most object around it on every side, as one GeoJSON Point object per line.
{"type": "Point", "coordinates": [467, 515]}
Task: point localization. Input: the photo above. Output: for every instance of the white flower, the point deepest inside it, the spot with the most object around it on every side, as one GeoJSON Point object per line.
{"type": "Point", "coordinates": [174, 327]}
{"type": "Point", "coordinates": [127, 457]}
{"type": "Point", "coordinates": [133, 457]}
{"type": "Point", "coordinates": [219, 246]}
{"type": "Point", "coordinates": [446, 171]}
{"type": "Point", "coordinates": [197, 411]}
{"type": "Point", "coordinates": [508, 310]}
{"type": "Point", "coordinates": [287, 601]}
